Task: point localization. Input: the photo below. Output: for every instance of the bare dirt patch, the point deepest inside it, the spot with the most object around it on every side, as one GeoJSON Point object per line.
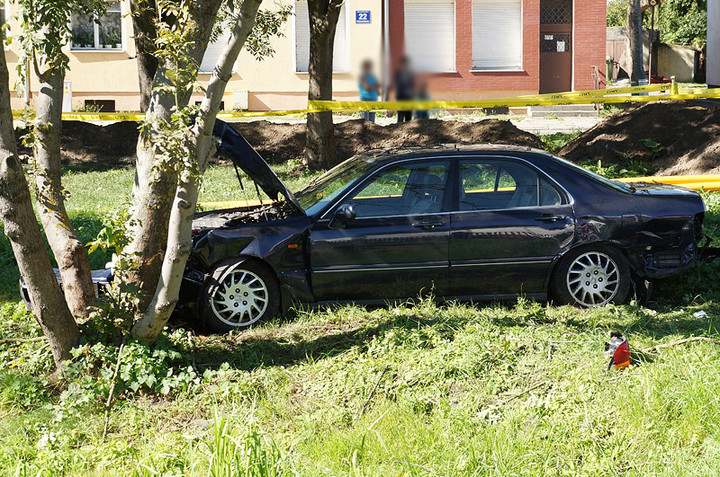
{"type": "Point", "coordinates": [283, 142]}
{"type": "Point", "coordinates": [114, 145]}
{"type": "Point", "coordinates": [689, 135]}
{"type": "Point", "coordinates": [86, 143]}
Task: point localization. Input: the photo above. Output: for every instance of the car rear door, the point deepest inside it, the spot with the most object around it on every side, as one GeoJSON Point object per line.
{"type": "Point", "coordinates": [397, 245]}
{"type": "Point", "coordinates": [510, 222]}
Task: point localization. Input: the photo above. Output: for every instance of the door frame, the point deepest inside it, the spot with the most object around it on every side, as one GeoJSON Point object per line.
{"type": "Point", "coordinates": [569, 203]}
{"type": "Point", "coordinates": [558, 28]}
{"type": "Point", "coordinates": [323, 222]}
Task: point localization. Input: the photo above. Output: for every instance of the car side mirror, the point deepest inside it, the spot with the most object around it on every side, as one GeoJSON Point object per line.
{"type": "Point", "coordinates": [344, 214]}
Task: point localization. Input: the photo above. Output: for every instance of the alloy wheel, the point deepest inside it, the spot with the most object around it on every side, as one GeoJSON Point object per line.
{"type": "Point", "coordinates": [593, 279]}
{"type": "Point", "coordinates": [240, 299]}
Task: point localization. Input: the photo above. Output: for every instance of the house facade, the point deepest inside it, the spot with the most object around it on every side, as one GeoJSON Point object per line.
{"type": "Point", "coordinates": [713, 44]}
{"type": "Point", "coordinates": [465, 48]}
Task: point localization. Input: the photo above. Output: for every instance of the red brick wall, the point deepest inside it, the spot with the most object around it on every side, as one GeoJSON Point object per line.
{"type": "Point", "coordinates": [397, 30]}
{"type": "Point", "coordinates": [589, 42]}
{"type": "Point", "coordinates": [589, 50]}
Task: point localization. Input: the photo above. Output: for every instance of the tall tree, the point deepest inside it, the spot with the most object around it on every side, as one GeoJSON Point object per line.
{"type": "Point", "coordinates": [683, 22]}
{"type": "Point", "coordinates": [635, 35]}
{"type": "Point", "coordinates": [23, 231]}
{"type": "Point", "coordinates": [155, 177]}
{"type": "Point", "coordinates": [199, 148]}
{"type": "Point", "coordinates": [46, 30]}
{"type": "Point", "coordinates": [186, 32]}
{"type": "Point", "coordinates": [320, 151]}
{"type": "Point", "coordinates": [144, 16]}
{"type": "Point", "coordinates": [251, 28]}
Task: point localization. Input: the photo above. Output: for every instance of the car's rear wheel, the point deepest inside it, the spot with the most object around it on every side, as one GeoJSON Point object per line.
{"type": "Point", "coordinates": [240, 294]}
{"type": "Point", "coordinates": [592, 276]}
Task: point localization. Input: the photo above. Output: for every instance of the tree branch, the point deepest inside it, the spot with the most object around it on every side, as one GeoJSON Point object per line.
{"type": "Point", "coordinates": [680, 342]}
{"type": "Point", "coordinates": [21, 340]}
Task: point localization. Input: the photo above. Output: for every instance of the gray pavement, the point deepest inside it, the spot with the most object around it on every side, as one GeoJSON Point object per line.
{"type": "Point", "coordinates": [537, 126]}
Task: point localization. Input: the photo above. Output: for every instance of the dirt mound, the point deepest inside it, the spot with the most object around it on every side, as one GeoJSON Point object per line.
{"type": "Point", "coordinates": [689, 135]}
{"type": "Point", "coordinates": [114, 145]}
{"type": "Point", "coordinates": [282, 142]}
{"type": "Point", "coordinates": [86, 143]}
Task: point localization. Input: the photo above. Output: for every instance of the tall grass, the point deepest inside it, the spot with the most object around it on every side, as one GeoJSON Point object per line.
{"type": "Point", "coordinates": [243, 453]}
{"type": "Point", "coordinates": [415, 389]}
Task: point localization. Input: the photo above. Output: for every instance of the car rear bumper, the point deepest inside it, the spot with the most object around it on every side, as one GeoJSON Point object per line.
{"type": "Point", "coordinates": [101, 279]}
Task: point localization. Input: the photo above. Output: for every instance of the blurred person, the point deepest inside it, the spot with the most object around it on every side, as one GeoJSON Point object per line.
{"type": "Point", "coordinates": [404, 87]}
{"type": "Point", "coordinates": [422, 94]}
{"type": "Point", "coordinates": [369, 87]}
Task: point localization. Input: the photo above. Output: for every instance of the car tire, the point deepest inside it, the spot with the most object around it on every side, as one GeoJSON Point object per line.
{"type": "Point", "coordinates": [592, 276]}
{"type": "Point", "coordinates": [239, 294]}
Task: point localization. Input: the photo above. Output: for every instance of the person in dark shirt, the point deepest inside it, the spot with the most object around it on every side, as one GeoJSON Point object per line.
{"type": "Point", "coordinates": [404, 87]}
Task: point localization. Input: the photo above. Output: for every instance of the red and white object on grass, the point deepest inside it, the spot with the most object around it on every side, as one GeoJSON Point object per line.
{"type": "Point", "coordinates": [619, 351]}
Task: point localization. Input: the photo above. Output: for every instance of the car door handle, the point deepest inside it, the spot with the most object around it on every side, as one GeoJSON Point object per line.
{"type": "Point", "coordinates": [550, 218]}
{"type": "Point", "coordinates": [426, 224]}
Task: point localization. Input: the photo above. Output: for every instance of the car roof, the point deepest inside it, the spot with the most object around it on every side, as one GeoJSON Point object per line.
{"type": "Point", "coordinates": [381, 156]}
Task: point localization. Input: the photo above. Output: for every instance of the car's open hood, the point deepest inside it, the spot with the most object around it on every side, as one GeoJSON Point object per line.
{"type": "Point", "coordinates": [233, 145]}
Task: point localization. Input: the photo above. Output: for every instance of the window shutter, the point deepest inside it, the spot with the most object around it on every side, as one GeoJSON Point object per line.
{"type": "Point", "coordinates": [302, 40]}
{"type": "Point", "coordinates": [212, 53]}
{"type": "Point", "coordinates": [430, 34]}
{"type": "Point", "coordinates": [497, 34]}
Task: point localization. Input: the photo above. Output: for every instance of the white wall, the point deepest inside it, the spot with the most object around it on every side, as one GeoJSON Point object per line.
{"type": "Point", "coordinates": [713, 43]}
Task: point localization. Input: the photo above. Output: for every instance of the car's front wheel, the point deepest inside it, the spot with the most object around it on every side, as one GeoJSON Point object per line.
{"type": "Point", "coordinates": [590, 277]}
{"type": "Point", "coordinates": [239, 294]}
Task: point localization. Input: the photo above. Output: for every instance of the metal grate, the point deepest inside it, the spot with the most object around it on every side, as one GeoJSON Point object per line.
{"type": "Point", "coordinates": [555, 43]}
{"type": "Point", "coordinates": [555, 12]}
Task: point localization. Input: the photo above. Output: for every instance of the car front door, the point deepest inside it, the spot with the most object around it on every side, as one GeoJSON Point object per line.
{"type": "Point", "coordinates": [396, 246]}
{"type": "Point", "coordinates": [511, 221]}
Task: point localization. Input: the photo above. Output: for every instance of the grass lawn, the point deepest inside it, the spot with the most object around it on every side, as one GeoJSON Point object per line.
{"type": "Point", "coordinates": [416, 389]}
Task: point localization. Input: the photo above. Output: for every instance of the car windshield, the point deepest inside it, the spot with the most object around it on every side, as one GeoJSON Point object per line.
{"type": "Point", "coordinates": [316, 195]}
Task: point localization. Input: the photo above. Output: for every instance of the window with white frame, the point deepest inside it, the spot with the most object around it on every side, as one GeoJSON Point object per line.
{"type": "Point", "coordinates": [92, 32]}
{"type": "Point", "coordinates": [497, 35]}
{"type": "Point", "coordinates": [4, 18]}
{"type": "Point", "coordinates": [212, 53]}
{"type": "Point", "coordinates": [430, 34]}
{"type": "Point", "coordinates": [341, 60]}
{"type": "Point", "coordinates": [4, 14]}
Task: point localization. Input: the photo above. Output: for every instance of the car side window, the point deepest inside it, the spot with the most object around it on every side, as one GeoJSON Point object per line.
{"type": "Point", "coordinates": [489, 184]}
{"type": "Point", "coordinates": [549, 195]}
{"type": "Point", "coordinates": [405, 189]}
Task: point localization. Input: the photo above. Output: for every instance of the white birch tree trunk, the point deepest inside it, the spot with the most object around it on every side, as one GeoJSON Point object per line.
{"type": "Point", "coordinates": [154, 188]}
{"type": "Point", "coordinates": [69, 251]}
{"type": "Point", "coordinates": [179, 240]}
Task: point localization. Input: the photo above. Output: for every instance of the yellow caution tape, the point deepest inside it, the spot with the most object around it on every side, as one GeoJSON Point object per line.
{"type": "Point", "coordinates": [89, 117]}
{"type": "Point", "coordinates": [536, 100]}
{"type": "Point", "coordinates": [675, 179]}
{"type": "Point", "coordinates": [596, 96]}
{"type": "Point", "coordinates": [231, 204]}
{"type": "Point", "coordinates": [695, 182]}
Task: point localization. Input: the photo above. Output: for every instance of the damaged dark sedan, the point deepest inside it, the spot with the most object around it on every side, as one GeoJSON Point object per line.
{"type": "Point", "coordinates": [468, 223]}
